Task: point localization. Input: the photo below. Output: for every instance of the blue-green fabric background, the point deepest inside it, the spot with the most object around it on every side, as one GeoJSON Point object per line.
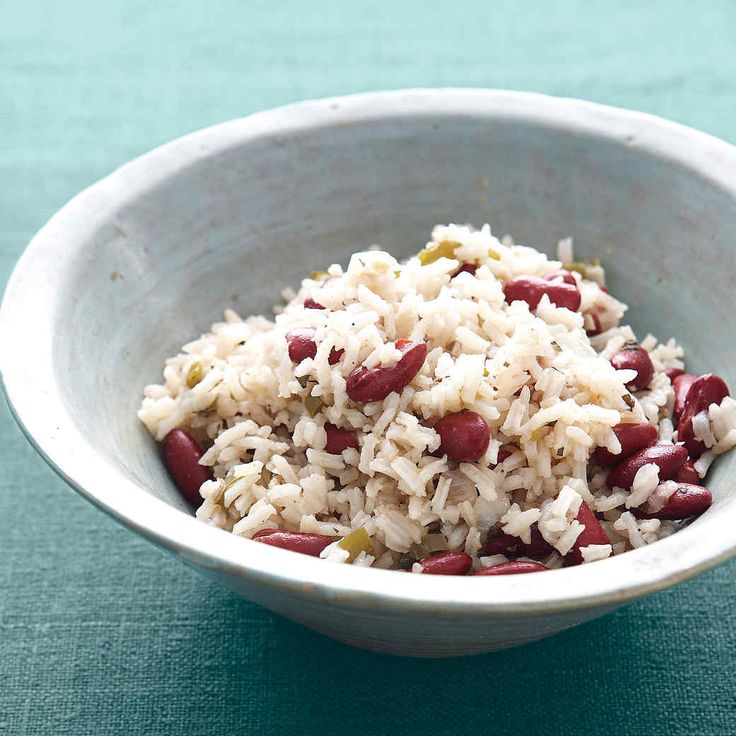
{"type": "Point", "coordinates": [100, 633]}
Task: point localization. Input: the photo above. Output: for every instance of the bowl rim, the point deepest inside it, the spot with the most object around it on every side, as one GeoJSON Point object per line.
{"type": "Point", "coordinates": [30, 386]}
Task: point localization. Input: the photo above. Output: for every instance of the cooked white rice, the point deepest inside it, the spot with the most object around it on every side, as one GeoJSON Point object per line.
{"type": "Point", "coordinates": [546, 390]}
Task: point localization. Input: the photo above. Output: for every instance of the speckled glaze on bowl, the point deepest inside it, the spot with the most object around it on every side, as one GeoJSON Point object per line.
{"type": "Point", "coordinates": [148, 257]}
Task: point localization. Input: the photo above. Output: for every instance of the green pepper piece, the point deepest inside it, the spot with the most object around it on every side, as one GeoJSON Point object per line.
{"type": "Point", "coordinates": [445, 249]}
{"type": "Point", "coordinates": [581, 267]}
{"type": "Point", "coordinates": [195, 374]}
{"type": "Point", "coordinates": [430, 544]}
{"type": "Point", "coordinates": [435, 543]}
{"type": "Point", "coordinates": [312, 404]}
{"type": "Point", "coordinates": [356, 542]}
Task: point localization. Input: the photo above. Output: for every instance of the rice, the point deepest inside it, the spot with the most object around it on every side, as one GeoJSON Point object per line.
{"type": "Point", "coordinates": [544, 387]}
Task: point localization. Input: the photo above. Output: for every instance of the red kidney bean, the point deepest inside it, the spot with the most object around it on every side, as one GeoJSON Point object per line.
{"type": "Point", "coordinates": [464, 436]}
{"type": "Point", "coordinates": [686, 434]}
{"type": "Point", "coordinates": [517, 567]}
{"type": "Point", "coordinates": [339, 439]}
{"type": "Point", "coordinates": [634, 358]}
{"type": "Point", "coordinates": [301, 344]}
{"type": "Point", "coordinates": [500, 545]}
{"type": "Point", "coordinates": [687, 474]}
{"type": "Point", "coordinates": [668, 458]}
{"type": "Point", "coordinates": [673, 373]}
{"type": "Point", "coordinates": [687, 501]}
{"type": "Point", "coordinates": [446, 563]}
{"type": "Point", "coordinates": [592, 534]}
{"type": "Point", "coordinates": [306, 544]}
{"type": "Point", "coordinates": [561, 275]}
{"type": "Point", "coordinates": [470, 268]}
{"type": "Point", "coordinates": [632, 437]}
{"type": "Point", "coordinates": [704, 391]}
{"type": "Point", "coordinates": [502, 455]}
{"type": "Point", "coordinates": [681, 385]}
{"type": "Point", "coordinates": [531, 289]}
{"type": "Point", "coordinates": [505, 544]}
{"type": "Point", "coordinates": [375, 384]}
{"type": "Point", "coordinates": [181, 455]}
{"type": "Point", "coordinates": [597, 329]}
{"type": "Point", "coordinates": [310, 303]}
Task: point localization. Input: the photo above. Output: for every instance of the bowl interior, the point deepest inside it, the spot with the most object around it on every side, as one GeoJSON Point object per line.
{"type": "Point", "coordinates": [229, 217]}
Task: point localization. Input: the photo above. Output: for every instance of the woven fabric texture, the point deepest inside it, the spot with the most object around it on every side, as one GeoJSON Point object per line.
{"type": "Point", "coordinates": [102, 634]}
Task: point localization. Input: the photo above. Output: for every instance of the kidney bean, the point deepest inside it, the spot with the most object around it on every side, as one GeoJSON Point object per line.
{"type": "Point", "coordinates": [681, 385]}
{"type": "Point", "coordinates": [446, 563]}
{"type": "Point", "coordinates": [668, 458]}
{"type": "Point", "coordinates": [704, 391]}
{"type": "Point", "coordinates": [597, 329]}
{"type": "Point", "coordinates": [301, 344]}
{"type": "Point", "coordinates": [500, 545]}
{"type": "Point", "coordinates": [505, 544]}
{"type": "Point", "coordinates": [592, 534]}
{"type": "Point", "coordinates": [470, 268]}
{"type": "Point", "coordinates": [531, 289]}
{"type": "Point", "coordinates": [686, 434]}
{"type": "Point", "coordinates": [181, 455]}
{"type": "Point", "coordinates": [687, 474]}
{"type": "Point", "coordinates": [339, 439]}
{"type": "Point", "coordinates": [673, 373]}
{"type": "Point", "coordinates": [561, 275]}
{"type": "Point", "coordinates": [375, 384]}
{"type": "Point", "coordinates": [517, 567]}
{"type": "Point", "coordinates": [310, 303]}
{"type": "Point", "coordinates": [632, 437]}
{"type": "Point", "coordinates": [306, 544]}
{"type": "Point", "coordinates": [464, 436]}
{"type": "Point", "coordinates": [634, 358]}
{"type": "Point", "coordinates": [688, 500]}
{"type": "Point", "coordinates": [502, 455]}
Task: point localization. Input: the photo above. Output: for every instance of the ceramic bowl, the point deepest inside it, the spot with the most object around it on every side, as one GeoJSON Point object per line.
{"type": "Point", "coordinates": [148, 257]}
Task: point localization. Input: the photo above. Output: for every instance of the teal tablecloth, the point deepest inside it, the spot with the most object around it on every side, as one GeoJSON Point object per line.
{"type": "Point", "coordinates": [100, 633]}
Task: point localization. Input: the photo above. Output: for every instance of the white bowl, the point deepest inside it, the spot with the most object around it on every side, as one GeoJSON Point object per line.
{"type": "Point", "coordinates": [148, 257]}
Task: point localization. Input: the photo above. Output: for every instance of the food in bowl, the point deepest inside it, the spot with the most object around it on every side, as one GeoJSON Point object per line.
{"type": "Point", "coordinates": [479, 409]}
